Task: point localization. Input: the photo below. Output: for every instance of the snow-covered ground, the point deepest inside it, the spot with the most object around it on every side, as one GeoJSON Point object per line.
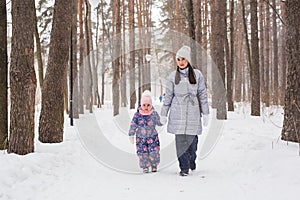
{"type": "Point", "coordinates": [97, 161]}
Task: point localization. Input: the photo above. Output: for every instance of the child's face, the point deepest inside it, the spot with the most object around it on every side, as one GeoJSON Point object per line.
{"type": "Point", "coordinates": [146, 107]}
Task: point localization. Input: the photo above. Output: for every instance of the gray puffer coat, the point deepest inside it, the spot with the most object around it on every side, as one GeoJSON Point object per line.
{"type": "Point", "coordinates": [182, 104]}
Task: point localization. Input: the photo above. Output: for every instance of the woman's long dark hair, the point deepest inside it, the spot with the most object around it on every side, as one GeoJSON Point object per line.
{"type": "Point", "coordinates": [192, 76]}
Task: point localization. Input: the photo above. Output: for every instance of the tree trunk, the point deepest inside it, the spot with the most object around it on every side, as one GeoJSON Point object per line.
{"type": "Point", "coordinates": [178, 22]}
{"type": "Point", "coordinates": [140, 52]}
{"type": "Point", "coordinates": [246, 33]}
{"type": "Point", "coordinates": [218, 42]}
{"type": "Point", "coordinates": [239, 69]}
{"type": "Point", "coordinates": [81, 56]}
{"type": "Point", "coordinates": [103, 51]}
{"type": "Point", "coordinates": [148, 23]}
{"type": "Point", "coordinates": [51, 127]}
{"type": "Point", "coordinates": [38, 52]}
{"type": "Point", "coordinates": [132, 55]}
{"type": "Point", "coordinates": [124, 63]}
{"type": "Point", "coordinates": [74, 58]}
{"type": "Point", "coordinates": [267, 58]}
{"type": "Point", "coordinates": [275, 55]}
{"type": "Point", "coordinates": [198, 35]}
{"type": "Point", "coordinates": [248, 53]}
{"type": "Point", "coordinates": [239, 60]}
{"type": "Point", "coordinates": [89, 52]}
{"type": "Point", "coordinates": [66, 96]}
{"type": "Point", "coordinates": [262, 47]}
{"type": "Point", "coordinates": [191, 28]}
{"type": "Point", "coordinates": [116, 58]}
{"type": "Point", "coordinates": [213, 50]}
{"type": "Point", "coordinates": [3, 77]}
{"type": "Point", "coordinates": [283, 56]}
{"type": "Point", "coordinates": [98, 100]}
{"type": "Point", "coordinates": [231, 60]}
{"type": "Point", "coordinates": [198, 21]}
{"type": "Point", "coordinates": [239, 65]}
{"type": "Point", "coordinates": [22, 78]}
{"type": "Point", "coordinates": [291, 123]}
{"type": "Point", "coordinates": [254, 70]}
{"type": "Point", "coordinates": [205, 38]}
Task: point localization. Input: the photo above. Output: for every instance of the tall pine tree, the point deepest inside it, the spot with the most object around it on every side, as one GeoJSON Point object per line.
{"type": "Point", "coordinates": [22, 78]}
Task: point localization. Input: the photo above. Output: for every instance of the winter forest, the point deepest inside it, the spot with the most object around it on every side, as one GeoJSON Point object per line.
{"type": "Point", "coordinates": [64, 60]}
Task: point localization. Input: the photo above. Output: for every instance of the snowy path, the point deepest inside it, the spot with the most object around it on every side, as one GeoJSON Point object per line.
{"type": "Point", "coordinates": [96, 161]}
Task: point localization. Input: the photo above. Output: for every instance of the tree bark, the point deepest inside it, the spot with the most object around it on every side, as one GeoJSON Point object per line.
{"type": "Point", "coordinates": [191, 28]}
{"type": "Point", "coordinates": [205, 38]}
{"type": "Point", "coordinates": [38, 52]}
{"type": "Point", "coordinates": [116, 62]}
{"type": "Point", "coordinates": [291, 123]}
{"type": "Point", "coordinates": [132, 55]}
{"type": "Point", "coordinates": [283, 56]}
{"type": "Point", "coordinates": [262, 47]}
{"type": "Point", "coordinates": [140, 51]}
{"type": "Point", "coordinates": [51, 126]}
{"type": "Point", "coordinates": [104, 33]}
{"type": "Point", "coordinates": [198, 21]}
{"type": "Point", "coordinates": [195, 22]}
{"type": "Point", "coordinates": [267, 58]}
{"type": "Point", "coordinates": [218, 44]}
{"type": "Point", "coordinates": [246, 33]}
{"type": "Point", "coordinates": [275, 55]}
{"type": "Point", "coordinates": [3, 77]}
{"type": "Point", "coordinates": [254, 70]}
{"type": "Point", "coordinates": [231, 60]}
{"type": "Point", "coordinates": [22, 78]}
{"type": "Point", "coordinates": [239, 57]}
{"type": "Point", "coordinates": [75, 60]}
{"type": "Point", "coordinates": [81, 56]}
{"type": "Point", "coordinates": [89, 52]}
{"type": "Point", "coordinates": [148, 23]}
{"type": "Point", "coordinates": [124, 63]}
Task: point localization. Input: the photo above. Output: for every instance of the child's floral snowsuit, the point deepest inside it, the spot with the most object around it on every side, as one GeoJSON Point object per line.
{"type": "Point", "coordinates": [147, 142]}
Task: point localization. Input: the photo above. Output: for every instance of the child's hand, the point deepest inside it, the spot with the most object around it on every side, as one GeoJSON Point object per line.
{"type": "Point", "coordinates": [163, 120]}
{"type": "Point", "coordinates": [131, 139]}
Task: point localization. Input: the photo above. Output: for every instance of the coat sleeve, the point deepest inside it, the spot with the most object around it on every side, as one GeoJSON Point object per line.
{"type": "Point", "coordinates": [133, 125]}
{"type": "Point", "coordinates": [169, 94]}
{"type": "Point", "coordinates": [202, 93]}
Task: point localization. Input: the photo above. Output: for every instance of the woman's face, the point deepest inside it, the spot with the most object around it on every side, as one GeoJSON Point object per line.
{"type": "Point", "coordinates": [182, 63]}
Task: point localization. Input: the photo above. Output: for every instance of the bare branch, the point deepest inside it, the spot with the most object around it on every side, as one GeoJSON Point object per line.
{"type": "Point", "coordinates": [274, 9]}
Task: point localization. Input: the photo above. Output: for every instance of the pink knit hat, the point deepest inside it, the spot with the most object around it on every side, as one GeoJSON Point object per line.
{"type": "Point", "coordinates": [146, 98]}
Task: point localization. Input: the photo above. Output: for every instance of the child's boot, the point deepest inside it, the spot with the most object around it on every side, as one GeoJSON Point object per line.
{"type": "Point", "coordinates": [146, 170]}
{"type": "Point", "coordinates": [154, 169]}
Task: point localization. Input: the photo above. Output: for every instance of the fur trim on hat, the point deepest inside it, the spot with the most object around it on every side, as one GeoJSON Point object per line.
{"type": "Point", "coordinates": [184, 52]}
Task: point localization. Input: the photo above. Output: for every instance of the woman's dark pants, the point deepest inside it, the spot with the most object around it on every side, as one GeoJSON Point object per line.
{"type": "Point", "coordinates": [186, 147]}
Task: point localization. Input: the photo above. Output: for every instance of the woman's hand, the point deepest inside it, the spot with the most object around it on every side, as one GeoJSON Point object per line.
{"type": "Point", "coordinates": [163, 120]}
{"type": "Point", "coordinates": [205, 120]}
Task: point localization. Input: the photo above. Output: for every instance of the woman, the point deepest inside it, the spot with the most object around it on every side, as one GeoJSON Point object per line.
{"type": "Point", "coordinates": [185, 88]}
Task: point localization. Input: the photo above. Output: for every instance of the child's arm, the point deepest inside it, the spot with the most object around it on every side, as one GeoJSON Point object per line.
{"type": "Point", "coordinates": [133, 125]}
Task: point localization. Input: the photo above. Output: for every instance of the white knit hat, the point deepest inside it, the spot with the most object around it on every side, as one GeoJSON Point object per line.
{"type": "Point", "coordinates": [184, 52]}
{"type": "Point", "coordinates": [146, 97]}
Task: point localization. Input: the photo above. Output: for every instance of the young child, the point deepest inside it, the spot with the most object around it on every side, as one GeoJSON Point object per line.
{"type": "Point", "coordinates": [143, 126]}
